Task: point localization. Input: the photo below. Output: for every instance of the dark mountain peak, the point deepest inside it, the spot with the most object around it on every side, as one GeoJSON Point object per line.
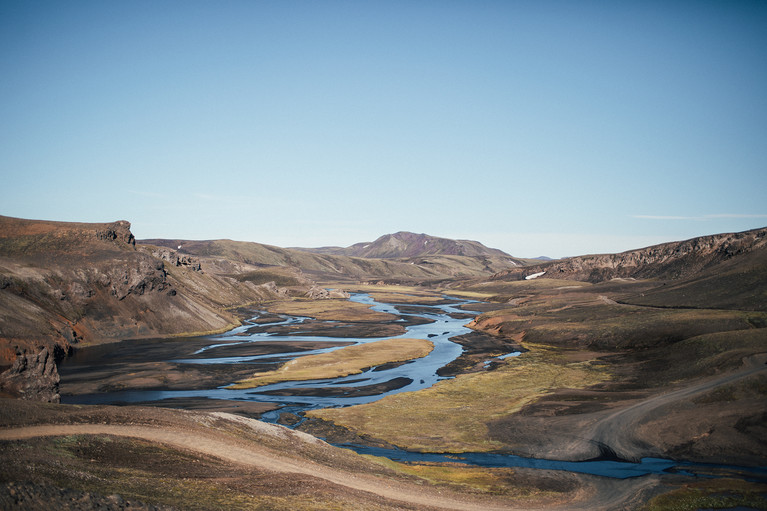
{"type": "Point", "coordinates": [409, 244]}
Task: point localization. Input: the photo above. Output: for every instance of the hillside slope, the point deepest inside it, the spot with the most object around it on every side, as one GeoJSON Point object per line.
{"type": "Point", "coordinates": [407, 244]}
{"type": "Point", "coordinates": [66, 283]}
{"type": "Point", "coordinates": [668, 261]}
{"type": "Point", "coordinates": [330, 267]}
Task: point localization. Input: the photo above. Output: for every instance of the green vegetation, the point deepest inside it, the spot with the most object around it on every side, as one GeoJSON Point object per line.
{"type": "Point", "coordinates": [341, 362]}
{"type": "Point", "coordinates": [330, 310]}
{"type": "Point", "coordinates": [577, 320]}
{"type": "Point", "coordinates": [452, 415]}
{"type": "Point", "coordinates": [492, 481]}
{"type": "Point", "coordinates": [712, 494]}
{"type": "Point", "coordinates": [259, 277]}
{"type": "Point", "coordinates": [420, 299]}
{"type": "Point", "coordinates": [160, 475]}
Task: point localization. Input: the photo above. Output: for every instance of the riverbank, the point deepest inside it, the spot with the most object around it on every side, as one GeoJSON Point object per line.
{"type": "Point", "coordinates": [567, 392]}
{"type": "Point", "coordinates": [204, 461]}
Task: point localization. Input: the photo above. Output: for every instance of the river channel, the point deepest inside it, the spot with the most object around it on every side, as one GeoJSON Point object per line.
{"type": "Point", "coordinates": [438, 326]}
{"type": "Point", "coordinates": [437, 323]}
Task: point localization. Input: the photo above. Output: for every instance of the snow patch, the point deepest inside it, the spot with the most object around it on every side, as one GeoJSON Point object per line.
{"type": "Point", "coordinates": [534, 275]}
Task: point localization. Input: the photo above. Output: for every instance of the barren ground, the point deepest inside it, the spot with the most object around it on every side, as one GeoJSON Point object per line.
{"type": "Point", "coordinates": [222, 451]}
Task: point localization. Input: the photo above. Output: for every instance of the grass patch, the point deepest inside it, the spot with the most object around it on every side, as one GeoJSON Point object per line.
{"type": "Point", "coordinates": [465, 478]}
{"type": "Point", "coordinates": [479, 295]}
{"type": "Point", "coordinates": [583, 321]}
{"type": "Point", "coordinates": [160, 475]}
{"type": "Point", "coordinates": [517, 287]}
{"type": "Point", "coordinates": [259, 277]}
{"type": "Point", "coordinates": [390, 288]}
{"type": "Point", "coordinates": [452, 415]}
{"type": "Point", "coordinates": [390, 297]}
{"type": "Point", "coordinates": [341, 362]}
{"type": "Point", "coordinates": [712, 494]}
{"type": "Point", "coordinates": [331, 310]}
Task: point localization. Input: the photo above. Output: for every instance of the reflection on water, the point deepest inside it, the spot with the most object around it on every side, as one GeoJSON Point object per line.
{"type": "Point", "coordinates": [371, 385]}
{"type": "Point", "coordinates": [421, 373]}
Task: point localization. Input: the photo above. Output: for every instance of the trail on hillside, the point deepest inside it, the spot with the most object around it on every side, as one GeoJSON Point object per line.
{"type": "Point", "coordinates": [598, 494]}
{"type": "Point", "coordinates": [618, 430]}
{"type": "Point", "coordinates": [254, 456]}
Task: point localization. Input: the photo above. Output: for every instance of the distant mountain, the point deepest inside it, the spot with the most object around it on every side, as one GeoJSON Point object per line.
{"type": "Point", "coordinates": [407, 244]}
{"type": "Point", "coordinates": [330, 263]}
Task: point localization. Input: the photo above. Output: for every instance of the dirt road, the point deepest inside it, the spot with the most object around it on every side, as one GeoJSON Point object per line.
{"type": "Point", "coordinates": [210, 445]}
{"type": "Point", "coordinates": [618, 430]}
{"type": "Point", "coordinates": [597, 493]}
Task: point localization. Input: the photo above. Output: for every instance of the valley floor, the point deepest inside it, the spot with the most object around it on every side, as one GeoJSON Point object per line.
{"type": "Point", "coordinates": [141, 452]}
{"type": "Point", "coordinates": [600, 378]}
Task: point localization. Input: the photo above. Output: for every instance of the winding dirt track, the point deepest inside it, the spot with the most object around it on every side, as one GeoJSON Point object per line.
{"type": "Point", "coordinates": [615, 430]}
{"type": "Point", "coordinates": [618, 429]}
{"type": "Point", "coordinates": [598, 493]}
{"type": "Point", "coordinates": [253, 456]}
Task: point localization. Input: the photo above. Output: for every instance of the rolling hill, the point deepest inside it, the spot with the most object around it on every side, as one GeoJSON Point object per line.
{"type": "Point", "coordinates": [323, 265]}
{"type": "Point", "coordinates": [722, 270]}
{"type": "Point", "coordinates": [407, 244]}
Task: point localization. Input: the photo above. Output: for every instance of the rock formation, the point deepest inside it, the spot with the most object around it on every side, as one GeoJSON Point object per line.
{"type": "Point", "coordinates": [63, 283]}
{"type": "Point", "coordinates": [669, 260]}
{"type": "Point", "coordinates": [33, 375]}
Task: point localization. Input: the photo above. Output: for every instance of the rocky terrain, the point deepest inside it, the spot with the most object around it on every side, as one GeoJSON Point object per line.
{"type": "Point", "coordinates": [438, 263]}
{"type": "Point", "coordinates": [666, 261]}
{"type": "Point", "coordinates": [655, 352]}
{"type": "Point", "coordinates": [64, 284]}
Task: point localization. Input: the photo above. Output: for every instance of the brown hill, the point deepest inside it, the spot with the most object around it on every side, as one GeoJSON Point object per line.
{"type": "Point", "coordinates": [407, 244]}
{"type": "Point", "coordinates": [67, 283]}
{"type": "Point", "coordinates": [64, 283]}
{"type": "Point", "coordinates": [722, 271]}
{"type": "Point", "coordinates": [329, 267]}
{"type": "Point", "coordinates": [669, 260]}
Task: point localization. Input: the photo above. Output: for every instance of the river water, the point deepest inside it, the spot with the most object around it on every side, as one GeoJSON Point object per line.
{"type": "Point", "coordinates": [414, 375]}
{"type": "Point", "coordinates": [444, 322]}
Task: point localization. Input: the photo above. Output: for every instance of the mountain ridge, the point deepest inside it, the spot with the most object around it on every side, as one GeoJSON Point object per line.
{"type": "Point", "coordinates": [405, 244]}
{"type": "Point", "coordinates": [671, 260]}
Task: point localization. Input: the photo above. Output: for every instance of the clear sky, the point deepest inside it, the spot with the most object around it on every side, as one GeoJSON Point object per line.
{"type": "Point", "coordinates": [541, 128]}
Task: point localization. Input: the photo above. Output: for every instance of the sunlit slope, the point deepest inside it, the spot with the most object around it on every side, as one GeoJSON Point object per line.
{"type": "Point", "coordinates": [669, 261]}
{"type": "Point", "coordinates": [336, 267]}
{"type": "Point", "coordinates": [408, 244]}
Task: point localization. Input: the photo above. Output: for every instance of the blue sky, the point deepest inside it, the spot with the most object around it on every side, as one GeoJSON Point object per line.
{"type": "Point", "coordinates": [541, 127]}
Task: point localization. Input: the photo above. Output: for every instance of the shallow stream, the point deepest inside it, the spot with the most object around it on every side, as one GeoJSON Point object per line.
{"type": "Point", "coordinates": [371, 385]}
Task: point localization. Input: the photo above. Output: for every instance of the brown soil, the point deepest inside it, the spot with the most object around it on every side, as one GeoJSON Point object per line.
{"type": "Point", "coordinates": [630, 426]}
{"type": "Point", "coordinates": [265, 463]}
{"type": "Point", "coordinates": [143, 364]}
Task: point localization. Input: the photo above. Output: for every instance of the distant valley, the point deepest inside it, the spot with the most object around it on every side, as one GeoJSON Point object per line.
{"type": "Point", "coordinates": [654, 352]}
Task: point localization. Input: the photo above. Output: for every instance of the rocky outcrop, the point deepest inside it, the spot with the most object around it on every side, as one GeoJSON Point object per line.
{"type": "Point", "coordinates": [33, 375]}
{"type": "Point", "coordinates": [138, 278]}
{"type": "Point", "coordinates": [669, 260]}
{"type": "Point", "coordinates": [173, 258]}
{"type": "Point", "coordinates": [321, 293]}
{"type": "Point", "coordinates": [40, 239]}
{"type": "Point", "coordinates": [118, 231]}
{"type": "Point", "coordinates": [63, 283]}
